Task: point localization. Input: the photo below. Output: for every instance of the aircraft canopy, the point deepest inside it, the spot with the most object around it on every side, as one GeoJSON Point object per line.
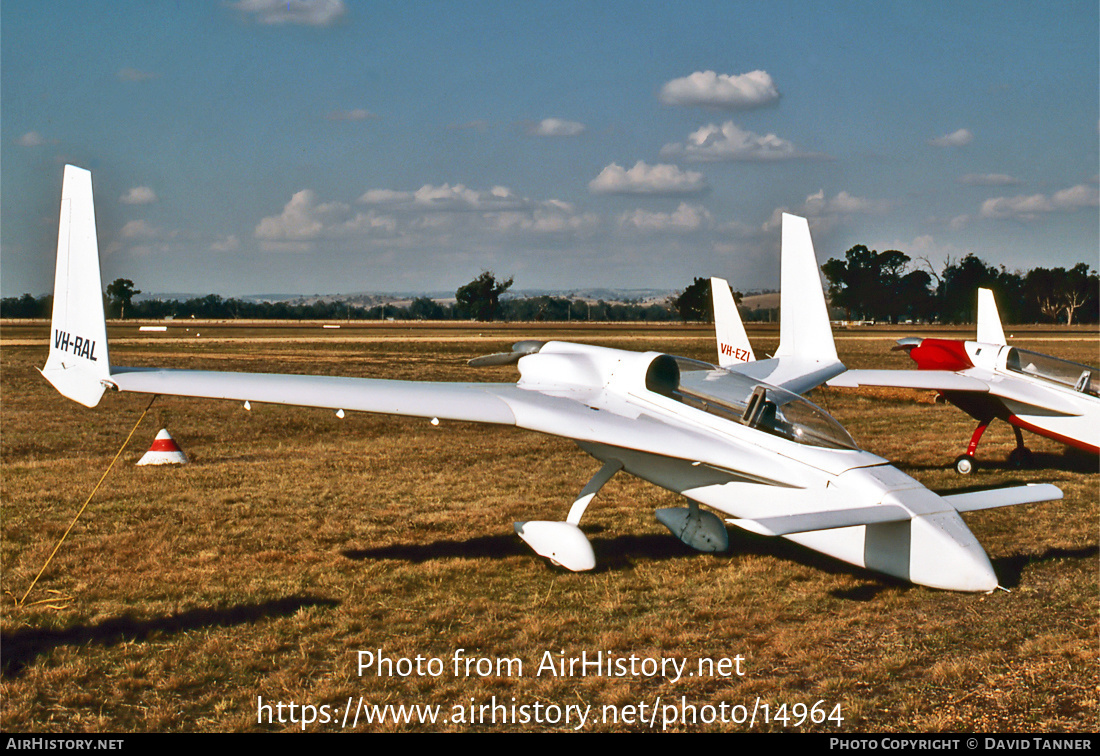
{"type": "Point", "coordinates": [1072, 374]}
{"type": "Point", "coordinates": [745, 400]}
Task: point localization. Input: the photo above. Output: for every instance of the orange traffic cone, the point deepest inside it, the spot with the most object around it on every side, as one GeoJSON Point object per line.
{"type": "Point", "coordinates": [164, 451]}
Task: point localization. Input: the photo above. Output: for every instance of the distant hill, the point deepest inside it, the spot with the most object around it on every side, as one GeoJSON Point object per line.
{"type": "Point", "coordinates": [763, 301]}
{"type": "Point", "coordinates": [374, 299]}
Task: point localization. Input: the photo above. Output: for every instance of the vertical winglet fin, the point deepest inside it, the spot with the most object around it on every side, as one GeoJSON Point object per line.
{"type": "Point", "coordinates": [78, 364]}
{"type": "Point", "coordinates": [989, 322]}
{"type": "Point", "coordinates": [804, 329]}
{"type": "Point", "coordinates": [729, 331]}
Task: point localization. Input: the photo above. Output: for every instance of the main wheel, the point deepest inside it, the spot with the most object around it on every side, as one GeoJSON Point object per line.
{"type": "Point", "coordinates": [965, 464]}
{"type": "Point", "coordinates": [1020, 457]}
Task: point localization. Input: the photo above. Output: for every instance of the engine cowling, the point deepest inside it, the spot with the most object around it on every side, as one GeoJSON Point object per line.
{"type": "Point", "coordinates": [558, 365]}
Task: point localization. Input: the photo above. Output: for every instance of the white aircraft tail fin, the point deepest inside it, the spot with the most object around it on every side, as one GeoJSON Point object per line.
{"type": "Point", "coordinates": [806, 356]}
{"type": "Point", "coordinates": [989, 322]}
{"type": "Point", "coordinates": [78, 365]}
{"type": "Point", "coordinates": [733, 342]}
{"type": "Point", "coordinates": [804, 329]}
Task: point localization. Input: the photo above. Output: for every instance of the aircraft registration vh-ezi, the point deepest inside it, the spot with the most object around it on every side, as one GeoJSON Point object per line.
{"type": "Point", "coordinates": [735, 437]}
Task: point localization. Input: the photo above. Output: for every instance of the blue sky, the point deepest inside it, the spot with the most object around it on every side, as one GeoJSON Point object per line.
{"type": "Point", "coordinates": [337, 146]}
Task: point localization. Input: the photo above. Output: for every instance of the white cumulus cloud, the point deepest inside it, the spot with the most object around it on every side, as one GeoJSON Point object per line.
{"type": "Point", "coordinates": [475, 125]}
{"type": "Point", "coordinates": [384, 197]}
{"type": "Point", "coordinates": [31, 139]}
{"type": "Point", "coordinates": [1020, 206]}
{"type": "Point", "coordinates": [134, 74]}
{"type": "Point", "coordinates": [714, 143]}
{"type": "Point", "coordinates": [646, 179]}
{"type": "Point", "coordinates": [959, 222]}
{"type": "Point", "coordinates": [303, 12]}
{"type": "Point", "coordinates": [555, 127]}
{"type": "Point", "coordinates": [684, 219]}
{"type": "Point", "coordinates": [725, 91]}
{"type": "Point", "coordinates": [1030, 207]}
{"type": "Point", "coordinates": [138, 229]}
{"type": "Point", "coordinates": [1076, 197]}
{"type": "Point", "coordinates": [355, 114]}
{"type": "Point", "coordinates": [988, 179]}
{"type": "Point", "coordinates": [824, 211]}
{"type": "Point", "coordinates": [138, 195]}
{"type": "Point", "coordinates": [548, 217]}
{"type": "Point", "coordinates": [229, 244]}
{"type": "Point", "coordinates": [434, 215]}
{"type": "Point", "coordinates": [842, 202]}
{"type": "Point", "coordinates": [460, 197]}
{"type": "Point", "coordinates": [302, 219]}
{"type": "Point", "coordinates": [369, 223]}
{"type": "Point", "coordinates": [959, 138]}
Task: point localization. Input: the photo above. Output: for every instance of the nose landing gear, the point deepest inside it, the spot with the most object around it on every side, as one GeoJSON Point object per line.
{"type": "Point", "coordinates": [1019, 457]}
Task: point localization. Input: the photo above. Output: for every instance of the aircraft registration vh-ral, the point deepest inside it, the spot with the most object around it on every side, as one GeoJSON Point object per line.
{"type": "Point", "coordinates": [736, 437]}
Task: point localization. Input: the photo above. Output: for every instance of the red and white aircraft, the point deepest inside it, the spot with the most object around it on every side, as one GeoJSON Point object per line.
{"type": "Point", "coordinates": [988, 379]}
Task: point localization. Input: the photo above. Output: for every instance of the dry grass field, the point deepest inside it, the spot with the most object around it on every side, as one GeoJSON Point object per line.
{"type": "Point", "coordinates": [189, 598]}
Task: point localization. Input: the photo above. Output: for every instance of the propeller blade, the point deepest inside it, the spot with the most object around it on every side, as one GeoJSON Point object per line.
{"type": "Point", "coordinates": [907, 344]}
{"type": "Point", "coordinates": [519, 349]}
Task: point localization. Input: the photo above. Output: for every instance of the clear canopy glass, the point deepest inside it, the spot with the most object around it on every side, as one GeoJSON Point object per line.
{"type": "Point", "coordinates": [1072, 374]}
{"type": "Point", "coordinates": [738, 398]}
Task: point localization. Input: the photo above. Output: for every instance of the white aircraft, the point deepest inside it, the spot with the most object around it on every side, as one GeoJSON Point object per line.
{"type": "Point", "coordinates": [738, 439]}
{"type": "Point", "coordinates": [990, 380]}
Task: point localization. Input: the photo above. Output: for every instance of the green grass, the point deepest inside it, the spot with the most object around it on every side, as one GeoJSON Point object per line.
{"type": "Point", "coordinates": [295, 540]}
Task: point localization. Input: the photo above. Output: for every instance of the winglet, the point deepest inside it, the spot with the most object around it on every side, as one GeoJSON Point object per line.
{"type": "Point", "coordinates": [733, 342]}
{"type": "Point", "coordinates": [806, 357]}
{"type": "Point", "coordinates": [78, 364]}
{"type": "Point", "coordinates": [804, 329]}
{"type": "Point", "coordinates": [989, 322]}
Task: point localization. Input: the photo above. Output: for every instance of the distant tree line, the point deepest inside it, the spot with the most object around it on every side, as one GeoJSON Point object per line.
{"type": "Point", "coordinates": [478, 300]}
{"type": "Point", "coordinates": [866, 285]}
{"type": "Point", "coordinates": [885, 286]}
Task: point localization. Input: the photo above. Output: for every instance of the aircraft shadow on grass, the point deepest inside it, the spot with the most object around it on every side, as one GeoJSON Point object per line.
{"type": "Point", "coordinates": [617, 553]}
{"type": "Point", "coordinates": [1070, 460]}
{"type": "Point", "coordinates": [620, 553]}
{"type": "Point", "coordinates": [19, 649]}
{"type": "Point", "coordinates": [1010, 568]}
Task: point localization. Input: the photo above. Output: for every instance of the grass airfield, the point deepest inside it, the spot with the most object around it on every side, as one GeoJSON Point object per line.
{"type": "Point", "coordinates": [295, 540]}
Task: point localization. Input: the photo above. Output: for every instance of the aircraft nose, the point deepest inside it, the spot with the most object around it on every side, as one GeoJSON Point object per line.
{"type": "Point", "coordinates": [951, 563]}
{"type": "Point", "coordinates": [942, 551]}
{"type": "Point", "coordinates": [915, 534]}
